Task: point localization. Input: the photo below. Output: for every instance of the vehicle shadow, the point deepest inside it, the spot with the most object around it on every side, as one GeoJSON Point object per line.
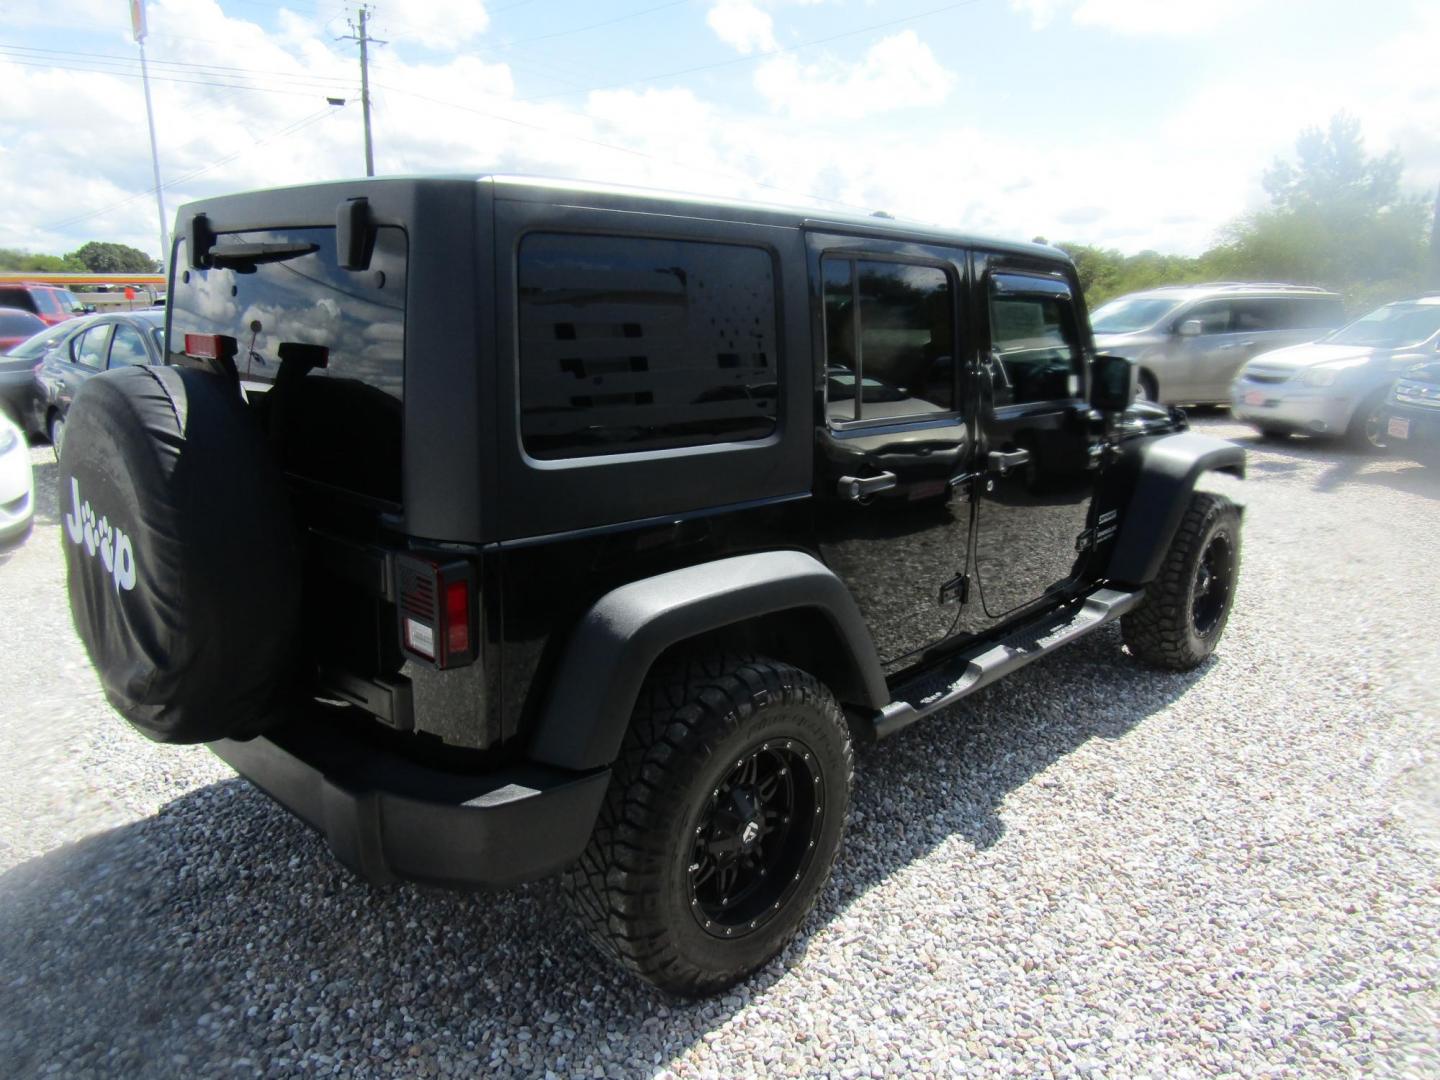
{"type": "Point", "coordinates": [220, 934]}
{"type": "Point", "coordinates": [1343, 465]}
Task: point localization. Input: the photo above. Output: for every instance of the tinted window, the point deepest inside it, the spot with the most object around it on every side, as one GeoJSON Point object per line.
{"type": "Point", "coordinates": [15, 324]}
{"type": "Point", "coordinates": [631, 344]}
{"type": "Point", "coordinates": [128, 348]}
{"type": "Point", "coordinates": [1214, 316]}
{"type": "Point", "coordinates": [1035, 347]}
{"type": "Point", "coordinates": [88, 349]}
{"type": "Point", "coordinates": [889, 329]}
{"type": "Point", "coordinates": [358, 315]}
{"type": "Point", "coordinates": [18, 298]}
{"type": "Point", "coordinates": [1262, 314]}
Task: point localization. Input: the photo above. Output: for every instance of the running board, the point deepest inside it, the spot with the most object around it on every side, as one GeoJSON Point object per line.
{"type": "Point", "coordinates": [967, 673]}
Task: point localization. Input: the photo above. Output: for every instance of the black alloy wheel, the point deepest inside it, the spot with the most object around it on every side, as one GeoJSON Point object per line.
{"type": "Point", "coordinates": [1210, 595]}
{"type": "Point", "coordinates": [756, 838]}
{"type": "Point", "coordinates": [723, 819]}
{"type": "Point", "coordinates": [1183, 614]}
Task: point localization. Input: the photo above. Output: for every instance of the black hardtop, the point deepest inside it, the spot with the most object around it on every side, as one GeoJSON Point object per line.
{"type": "Point", "coordinates": [314, 204]}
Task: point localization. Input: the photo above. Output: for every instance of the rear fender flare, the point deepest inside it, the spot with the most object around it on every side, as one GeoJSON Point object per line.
{"type": "Point", "coordinates": [1170, 469]}
{"type": "Point", "coordinates": [598, 679]}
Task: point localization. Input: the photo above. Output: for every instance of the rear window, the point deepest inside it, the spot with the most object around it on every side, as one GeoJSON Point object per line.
{"type": "Point", "coordinates": [15, 324]}
{"type": "Point", "coordinates": [340, 425]}
{"type": "Point", "coordinates": [358, 315]}
{"type": "Point", "coordinates": [40, 342]}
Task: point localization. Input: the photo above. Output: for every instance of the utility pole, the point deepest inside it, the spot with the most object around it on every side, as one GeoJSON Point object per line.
{"type": "Point", "coordinates": [137, 24]}
{"type": "Point", "coordinates": [361, 34]}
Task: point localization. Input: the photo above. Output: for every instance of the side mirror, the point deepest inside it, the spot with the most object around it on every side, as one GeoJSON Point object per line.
{"type": "Point", "coordinates": [1112, 383]}
{"type": "Point", "coordinates": [1191, 328]}
{"type": "Point", "coordinates": [89, 308]}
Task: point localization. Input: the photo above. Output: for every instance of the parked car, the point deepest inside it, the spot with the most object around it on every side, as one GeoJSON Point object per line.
{"type": "Point", "coordinates": [1188, 341]}
{"type": "Point", "coordinates": [593, 554]}
{"type": "Point", "coordinates": [50, 303]}
{"type": "Point", "coordinates": [1412, 414]}
{"type": "Point", "coordinates": [17, 488]}
{"type": "Point", "coordinates": [89, 346]}
{"type": "Point", "coordinates": [1337, 386]}
{"type": "Point", "coordinates": [16, 325]}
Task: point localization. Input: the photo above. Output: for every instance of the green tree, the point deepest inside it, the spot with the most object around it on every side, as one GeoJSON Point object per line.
{"type": "Point", "coordinates": [11, 259]}
{"type": "Point", "coordinates": [100, 257]}
{"type": "Point", "coordinates": [1337, 217]}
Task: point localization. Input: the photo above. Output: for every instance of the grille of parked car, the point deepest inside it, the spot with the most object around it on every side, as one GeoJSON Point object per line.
{"type": "Point", "coordinates": [1417, 393]}
{"type": "Point", "coordinates": [1267, 376]}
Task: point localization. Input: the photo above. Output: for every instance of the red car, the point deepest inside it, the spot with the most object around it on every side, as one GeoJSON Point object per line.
{"type": "Point", "coordinates": [50, 303]}
{"type": "Point", "coordinates": [16, 325]}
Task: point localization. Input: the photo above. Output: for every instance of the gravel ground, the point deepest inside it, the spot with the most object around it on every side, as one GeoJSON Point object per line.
{"type": "Point", "coordinates": [1091, 869]}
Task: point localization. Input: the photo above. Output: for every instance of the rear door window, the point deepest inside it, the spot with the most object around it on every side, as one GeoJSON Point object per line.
{"type": "Point", "coordinates": [18, 298]}
{"type": "Point", "coordinates": [88, 349]}
{"type": "Point", "coordinates": [889, 334]}
{"type": "Point", "coordinates": [128, 347]}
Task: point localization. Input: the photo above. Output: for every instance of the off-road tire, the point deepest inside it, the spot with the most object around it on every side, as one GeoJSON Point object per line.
{"type": "Point", "coordinates": [1164, 630]}
{"type": "Point", "coordinates": [696, 720]}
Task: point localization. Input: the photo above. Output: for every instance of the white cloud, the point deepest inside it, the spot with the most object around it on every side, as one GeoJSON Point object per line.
{"type": "Point", "coordinates": [742, 25]}
{"type": "Point", "coordinates": [441, 25]}
{"type": "Point", "coordinates": [1137, 17]}
{"type": "Point", "coordinates": [897, 72]}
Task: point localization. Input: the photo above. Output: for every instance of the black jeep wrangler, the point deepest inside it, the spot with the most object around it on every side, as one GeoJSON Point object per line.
{"type": "Point", "coordinates": [503, 527]}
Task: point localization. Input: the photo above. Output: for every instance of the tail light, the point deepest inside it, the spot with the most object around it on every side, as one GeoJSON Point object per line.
{"type": "Point", "coordinates": [438, 610]}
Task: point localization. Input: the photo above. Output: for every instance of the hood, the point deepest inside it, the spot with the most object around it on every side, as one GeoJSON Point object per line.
{"type": "Point", "coordinates": [1294, 357]}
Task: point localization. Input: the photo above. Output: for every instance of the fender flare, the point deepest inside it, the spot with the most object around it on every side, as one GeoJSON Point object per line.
{"type": "Point", "coordinates": [1169, 468]}
{"type": "Point", "coordinates": [597, 682]}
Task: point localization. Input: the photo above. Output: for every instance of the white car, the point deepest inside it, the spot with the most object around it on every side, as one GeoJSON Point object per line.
{"type": "Point", "coordinates": [1337, 386]}
{"type": "Point", "coordinates": [17, 486]}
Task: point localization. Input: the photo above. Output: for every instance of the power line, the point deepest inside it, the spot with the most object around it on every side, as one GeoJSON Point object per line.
{"type": "Point", "coordinates": [158, 78]}
{"type": "Point", "coordinates": [109, 61]}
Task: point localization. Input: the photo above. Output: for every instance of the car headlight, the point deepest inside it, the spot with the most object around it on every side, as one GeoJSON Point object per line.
{"type": "Point", "coordinates": [1320, 376]}
{"type": "Point", "coordinates": [8, 440]}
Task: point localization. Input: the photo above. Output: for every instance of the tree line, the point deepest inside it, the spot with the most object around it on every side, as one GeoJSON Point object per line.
{"type": "Point", "coordinates": [1336, 217]}
{"type": "Point", "coordinates": [96, 257]}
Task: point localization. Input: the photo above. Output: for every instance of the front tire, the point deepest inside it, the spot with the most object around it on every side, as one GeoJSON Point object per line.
{"type": "Point", "coordinates": [721, 825]}
{"type": "Point", "coordinates": [55, 431]}
{"type": "Point", "coordinates": [1366, 432]}
{"type": "Point", "coordinates": [1186, 607]}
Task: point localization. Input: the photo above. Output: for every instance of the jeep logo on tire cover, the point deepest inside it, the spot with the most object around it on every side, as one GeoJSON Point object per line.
{"type": "Point", "coordinates": [112, 545]}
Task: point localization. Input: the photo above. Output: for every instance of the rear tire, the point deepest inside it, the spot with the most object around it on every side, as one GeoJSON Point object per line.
{"type": "Point", "coordinates": [721, 825]}
{"type": "Point", "coordinates": [1273, 434]}
{"type": "Point", "coordinates": [1186, 607]}
{"type": "Point", "coordinates": [1149, 389]}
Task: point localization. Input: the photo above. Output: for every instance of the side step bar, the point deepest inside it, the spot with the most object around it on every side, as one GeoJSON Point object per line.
{"type": "Point", "coordinates": [968, 672]}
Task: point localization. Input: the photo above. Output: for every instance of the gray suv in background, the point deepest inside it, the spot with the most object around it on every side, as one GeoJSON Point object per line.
{"type": "Point", "coordinates": [1189, 341]}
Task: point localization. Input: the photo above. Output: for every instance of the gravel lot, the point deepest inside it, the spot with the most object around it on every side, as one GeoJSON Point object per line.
{"type": "Point", "coordinates": [1091, 869]}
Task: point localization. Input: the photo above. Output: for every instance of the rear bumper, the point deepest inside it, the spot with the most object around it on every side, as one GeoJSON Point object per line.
{"type": "Point", "coordinates": [389, 818]}
{"type": "Point", "coordinates": [1422, 437]}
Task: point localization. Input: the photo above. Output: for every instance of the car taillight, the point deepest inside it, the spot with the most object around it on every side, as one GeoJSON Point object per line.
{"type": "Point", "coordinates": [209, 346]}
{"type": "Point", "coordinates": [437, 610]}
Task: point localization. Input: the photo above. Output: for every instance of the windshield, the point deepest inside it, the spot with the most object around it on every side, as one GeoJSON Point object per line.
{"type": "Point", "coordinates": [40, 342]}
{"type": "Point", "coordinates": [1394, 326]}
{"type": "Point", "coordinates": [1128, 314]}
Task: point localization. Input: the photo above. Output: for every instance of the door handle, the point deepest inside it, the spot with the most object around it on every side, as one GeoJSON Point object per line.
{"type": "Point", "coordinates": [1002, 461]}
{"type": "Point", "coordinates": [859, 488]}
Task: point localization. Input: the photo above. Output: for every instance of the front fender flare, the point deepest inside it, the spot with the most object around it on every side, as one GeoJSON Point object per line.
{"type": "Point", "coordinates": [598, 680]}
{"type": "Point", "coordinates": [1169, 469]}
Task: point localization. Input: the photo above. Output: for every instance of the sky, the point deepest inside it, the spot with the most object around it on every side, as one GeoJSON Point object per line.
{"type": "Point", "coordinates": [1132, 124]}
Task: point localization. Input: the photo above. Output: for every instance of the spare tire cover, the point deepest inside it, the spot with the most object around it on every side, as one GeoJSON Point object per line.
{"type": "Point", "coordinates": [181, 555]}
